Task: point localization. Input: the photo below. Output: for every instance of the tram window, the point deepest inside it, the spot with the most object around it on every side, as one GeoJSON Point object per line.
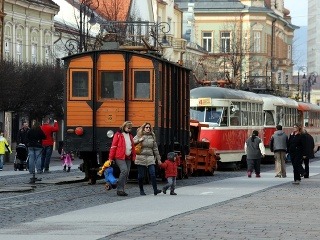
{"type": "Point", "coordinates": [269, 118]}
{"type": "Point", "coordinates": [142, 84]}
{"type": "Point", "coordinates": [213, 115]}
{"type": "Point", "coordinates": [197, 113]}
{"type": "Point", "coordinates": [79, 85]}
{"type": "Point", "coordinates": [111, 85]}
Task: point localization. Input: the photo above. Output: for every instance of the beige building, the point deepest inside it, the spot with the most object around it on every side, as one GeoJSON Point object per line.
{"type": "Point", "coordinates": [251, 41]}
{"type": "Point", "coordinates": [28, 31]}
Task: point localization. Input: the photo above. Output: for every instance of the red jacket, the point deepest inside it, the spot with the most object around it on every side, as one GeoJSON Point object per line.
{"type": "Point", "coordinates": [170, 168]}
{"type": "Point", "coordinates": [48, 131]}
{"type": "Point", "coordinates": [118, 147]}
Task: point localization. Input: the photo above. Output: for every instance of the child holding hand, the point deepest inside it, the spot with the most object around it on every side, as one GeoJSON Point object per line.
{"type": "Point", "coordinates": [171, 171]}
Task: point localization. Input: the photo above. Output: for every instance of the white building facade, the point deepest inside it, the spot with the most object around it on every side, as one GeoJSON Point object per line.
{"type": "Point", "coordinates": [28, 31]}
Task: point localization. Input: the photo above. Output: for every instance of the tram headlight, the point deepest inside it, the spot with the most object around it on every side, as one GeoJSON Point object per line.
{"type": "Point", "coordinates": [110, 134]}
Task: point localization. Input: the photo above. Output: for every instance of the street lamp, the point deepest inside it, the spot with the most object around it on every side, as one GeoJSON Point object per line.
{"type": "Point", "coordinates": [304, 70]}
{"type": "Point", "coordinates": [85, 11]}
{"type": "Point", "coordinates": [312, 79]}
{"type": "Point", "coordinates": [80, 43]}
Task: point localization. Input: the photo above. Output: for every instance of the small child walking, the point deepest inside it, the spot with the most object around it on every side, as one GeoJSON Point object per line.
{"type": "Point", "coordinates": [3, 147]}
{"type": "Point", "coordinates": [171, 171]}
{"type": "Point", "coordinates": [66, 159]}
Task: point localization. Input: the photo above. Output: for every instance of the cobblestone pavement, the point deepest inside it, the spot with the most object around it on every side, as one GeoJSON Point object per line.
{"type": "Point", "coordinates": [286, 211]}
{"type": "Point", "coordinates": [49, 199]}
{"type": "Point", "coordinates": [281, 212]}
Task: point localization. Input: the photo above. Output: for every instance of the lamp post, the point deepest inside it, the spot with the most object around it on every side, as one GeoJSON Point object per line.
{"type": "Point", "coordinates": [312, 79]}
{"type": "Point", "coordinates": [85, 11]}
{"type": "Point", "coordinates": [304, 70]}
{"type": "Point", "coordinates": [80, 42]}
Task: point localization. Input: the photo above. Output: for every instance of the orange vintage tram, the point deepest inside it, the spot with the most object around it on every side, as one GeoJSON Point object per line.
{"type": "Point", "coordinates": [107, 87]}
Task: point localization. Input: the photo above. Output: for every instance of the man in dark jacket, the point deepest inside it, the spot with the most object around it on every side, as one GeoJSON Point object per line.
{"type": "Point", "coordinates": [22, 133]}
{"type": "Point", "coordinates": [278, 145]}
{"type": "Point", "coordinates": [309, 151]}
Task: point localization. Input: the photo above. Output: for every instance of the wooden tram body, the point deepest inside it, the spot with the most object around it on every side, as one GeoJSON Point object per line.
{"type": "Point", "coordinates": [105, 88]}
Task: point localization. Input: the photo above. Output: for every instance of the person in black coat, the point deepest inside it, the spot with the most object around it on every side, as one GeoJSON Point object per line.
{"type": "Point", "coordinates": [309, 152]}
{"type": "Point", "coordinates": [34, 142]}
{"type": "Point", "coordinates": [296, 149]}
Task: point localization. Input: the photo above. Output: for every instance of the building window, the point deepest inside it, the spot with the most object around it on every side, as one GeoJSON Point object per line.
{"type": "Point", "coordinates": [256, 42]}
{"type": "Point", "coordinates": [7, 49]}
{"type": "Point", "coordinates": [46, 54]}
{"type": "Point", "coordinates": [19, 51]}
{"type": "Point", "coordinates": [207, 41]}
{"type": "Point", "coordinates": [289, 52]}
{"type": "Point", "coordinates": [111, 85]}
{"type": "Point", "coordinates": [34, 53]}
{"type": "Point", "coordinates": [225, 41]}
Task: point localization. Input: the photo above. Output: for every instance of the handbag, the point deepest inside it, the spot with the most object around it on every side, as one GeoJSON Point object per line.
{"type": "Point", "coordinates": [138, 148]}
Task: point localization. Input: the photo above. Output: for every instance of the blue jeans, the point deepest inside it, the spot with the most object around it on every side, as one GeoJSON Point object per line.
{"type": "Point", "coordinates": [1, 160]}
{"type": "Point", "coordinates": [152, 173]}
{"type": "Point", "coordinates": [34, 159]}
{"type": "Point", "coordinates": [46, 156]}
{"type": "Point", "coordinates": [171, 183]}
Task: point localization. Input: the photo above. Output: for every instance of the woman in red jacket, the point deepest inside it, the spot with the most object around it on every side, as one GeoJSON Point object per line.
{"type": "Point", "coordinates": [47, 143]}
{"type": "Point", "coordinates": [123, 152]}
{"type": "Point", "coordinates": [170, 167]}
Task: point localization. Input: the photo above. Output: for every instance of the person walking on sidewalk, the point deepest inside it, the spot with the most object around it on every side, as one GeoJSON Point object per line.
{"type": "Point", "coordinates": [47, 143]}
{"type": "Point", "coordinates": [170, 167]}
{"type": "Point", "coordinates": [254, 150]}
{"type": "Point", "coordinates": [309, 153]}
{"type": "Point", "coordinates": [123, 152]}
{"type": "Point", "coordinates": [297, 149]}
{"type": "Point", "coordinates": [34, 142]}
{"type": "Point", "coordinates": [3, 147]}
{"type": "Point", "coordinates": [278, 145]}
{"type": "Point", "coordinates": [22, 133]}
{"type": "Point", "coordinates": [148, 156]}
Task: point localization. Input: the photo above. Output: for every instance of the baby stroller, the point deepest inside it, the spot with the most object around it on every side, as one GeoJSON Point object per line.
{"type": "Point", "coordinates": [21, 158]}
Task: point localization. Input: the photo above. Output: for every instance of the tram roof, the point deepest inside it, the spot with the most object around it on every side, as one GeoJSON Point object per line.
{"type": "Point", "coordinates": [124, 51]}
{"type": "Point", "coordinates": [303, 106]}
{"type": "Point", "coordinates": [271, 100]}
{"type": "Point", "coordinates": [223, 93]}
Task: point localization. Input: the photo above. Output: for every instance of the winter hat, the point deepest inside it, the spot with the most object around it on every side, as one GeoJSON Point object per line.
{"type": "Point", "coordinates": [255, 133]}
{"type": "Point", "coordinates": [171, 155]}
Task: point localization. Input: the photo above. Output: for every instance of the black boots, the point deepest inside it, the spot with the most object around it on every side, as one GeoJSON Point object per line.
{"type": "Point", "coordinates": [172, 192]}
{"type": "Point", "coordinates": [156, 191]}
{"type": "Point", "coordinates": [140, 181]}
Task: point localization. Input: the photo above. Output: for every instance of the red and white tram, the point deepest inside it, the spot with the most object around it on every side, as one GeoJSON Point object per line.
{"type": "Point", "coordinates": [231, 116]}
{"type": "Point", "coordinates": [277, 111]}
{"type": "Point", "coordinates": [309, 117]}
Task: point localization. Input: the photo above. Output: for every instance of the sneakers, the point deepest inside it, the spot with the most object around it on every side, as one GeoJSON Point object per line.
{"type": "Point", "coordinates": [249, 174]}
{"type": "Point", "coordinates": [0, 169]}
{"type": "Point", "coordinates": [296, 182]}
{"type": "Point", "coordinates": [258, 175]}
{"type": "Point", "coordinates": [172, 193]}
{"type": "Point", "coordinates": [156, 192]}
{"type": "Point", "coordinates": [122, 193]}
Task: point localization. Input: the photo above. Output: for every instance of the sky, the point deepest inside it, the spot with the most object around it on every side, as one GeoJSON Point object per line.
{"type": "Point", "coordinates": [298, 11]}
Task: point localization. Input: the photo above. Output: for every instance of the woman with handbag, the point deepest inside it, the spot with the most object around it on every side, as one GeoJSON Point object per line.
{"type": "Point", "coordinates": [148, 156]}
{"type": "Point", "coordinates": [123, 152]}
